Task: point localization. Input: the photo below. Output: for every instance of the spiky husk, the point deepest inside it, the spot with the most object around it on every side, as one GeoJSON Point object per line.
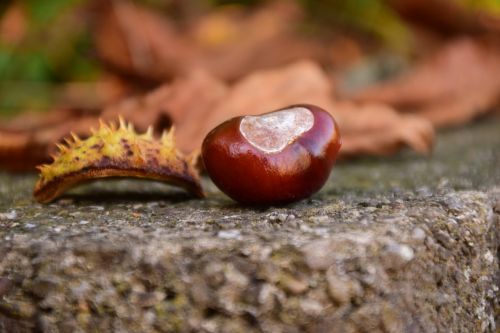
{"type": "Point", "coordinates": [113, 151]}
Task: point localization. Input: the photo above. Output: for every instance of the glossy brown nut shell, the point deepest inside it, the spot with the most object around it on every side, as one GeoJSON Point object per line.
{"type": "Point", "coordinates": [260, 176]}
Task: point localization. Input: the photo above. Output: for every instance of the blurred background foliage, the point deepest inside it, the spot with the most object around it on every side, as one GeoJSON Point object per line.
{"type": "Point", "coordinates": [48, 42]}
{"type": "Point", "coordinates": [53, 49]}
{"type": "Point", "coordinates": [42, 46]}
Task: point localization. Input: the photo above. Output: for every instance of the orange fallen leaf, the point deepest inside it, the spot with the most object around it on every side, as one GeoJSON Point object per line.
{"type": "Point", "coordinates": [377, 129]}
{"type": "Point", "coordinates": [139, 43]}
{"type": "Point", "coordinates": [187, 103]}
{"type": "Point", "coordinates": [453, 87]}
{"type": "Point", "coordinates": [227, 43]}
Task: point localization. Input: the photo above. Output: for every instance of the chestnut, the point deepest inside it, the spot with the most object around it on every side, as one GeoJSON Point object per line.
{"type": "Point", "coordinates": [273, 158]}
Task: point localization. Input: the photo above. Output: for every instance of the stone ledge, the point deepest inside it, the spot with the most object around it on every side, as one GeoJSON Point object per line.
{"type": "Point", "coordinates": [415, 264]}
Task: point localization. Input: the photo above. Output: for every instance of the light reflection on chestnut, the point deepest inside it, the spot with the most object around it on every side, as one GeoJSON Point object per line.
{"type": "Point", "coordinates": [275, 158]}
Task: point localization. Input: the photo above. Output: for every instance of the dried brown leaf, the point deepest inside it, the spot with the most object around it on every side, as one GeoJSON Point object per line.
{"type": "Point", "coordinates": [452, 87]}
{"type": "Point", "coordinates": [376, 129]}
{"type": "Point", "coordinates": [227, 43]}
{"type": "Point", "coordinates": [188, 103]}
{"type": "Point", "coordinates": [138, 42]}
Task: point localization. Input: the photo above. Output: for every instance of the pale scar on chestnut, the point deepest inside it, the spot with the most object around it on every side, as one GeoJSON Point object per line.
{"type": "Point", "coordinates": [117, 151]}
{"type": "Point", "coordinates": [272, 132]}
{"type": "Point", "coordinates": [273, 158]}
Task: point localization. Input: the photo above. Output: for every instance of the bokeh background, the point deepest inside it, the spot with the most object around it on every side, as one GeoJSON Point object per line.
{"type": "Point", "coordinates": [46, 46]}
{"type": "Point", "coordinates": [391, 71]}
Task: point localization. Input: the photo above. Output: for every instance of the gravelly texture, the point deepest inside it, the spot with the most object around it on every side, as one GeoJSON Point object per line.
{"type": "Point", "coordinates": [406, 244]}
